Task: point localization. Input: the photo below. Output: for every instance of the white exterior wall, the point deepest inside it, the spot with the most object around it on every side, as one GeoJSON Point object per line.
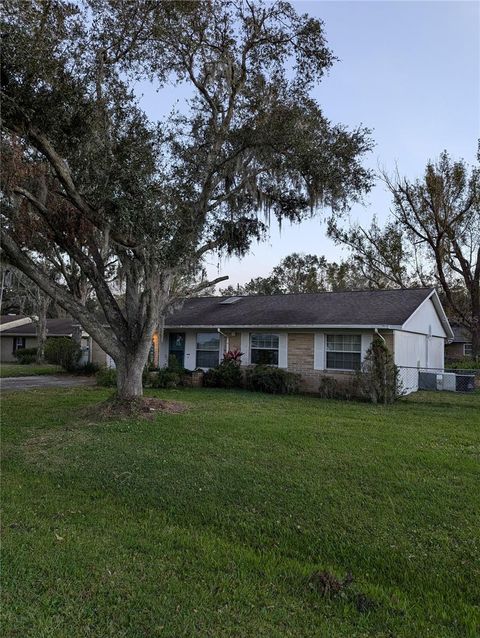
{"type": "Point", "coordinates": [418, 350]}
{"type": "Point", "coordinates": [413, 350]}
{"type": "Point", "coordinates": [6, 345]}
{"type": "Point", "coordinates": [425, 320]}
{"type": "Point", "coordinates": [436, 352]}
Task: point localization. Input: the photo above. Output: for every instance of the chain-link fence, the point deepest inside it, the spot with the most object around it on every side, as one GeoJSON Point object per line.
{"type": "Point", "coordinates": [438, 379]}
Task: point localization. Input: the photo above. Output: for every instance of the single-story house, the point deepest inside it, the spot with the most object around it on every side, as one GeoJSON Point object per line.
{"type": "Point", "coordinates": [18, 332]}
{"type": "Point", "coordinates": [318, 334]}
{"type": "Point", "coordinates": [460, 347]}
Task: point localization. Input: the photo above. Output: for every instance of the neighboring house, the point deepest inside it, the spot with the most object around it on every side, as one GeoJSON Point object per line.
{"type": "Point", "coordinates": [312, 334]}
{"type": "Point", "coordinates": [460, 347]}
{"type": "Point", "coordinates": [18, 332]}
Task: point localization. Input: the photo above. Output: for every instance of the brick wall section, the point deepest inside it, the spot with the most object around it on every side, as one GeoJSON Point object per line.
{"type": "Point", "coordinates": [301, 358]}
{"type": "Point", "coordinates": [300, 351]}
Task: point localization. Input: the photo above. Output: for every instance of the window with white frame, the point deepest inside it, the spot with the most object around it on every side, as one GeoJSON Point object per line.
{"type": "Point", "coordinates": [344, 352]}
{"type": "Point", "coordinates": [208, 349]}
{"type": "Point", "coordinates": [264, 349]}
{"type": "Point", "coordinates": [467, 349]}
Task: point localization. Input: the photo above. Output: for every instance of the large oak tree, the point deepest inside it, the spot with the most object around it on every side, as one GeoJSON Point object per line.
{"type": "Point", "coordinates": [101, 186]}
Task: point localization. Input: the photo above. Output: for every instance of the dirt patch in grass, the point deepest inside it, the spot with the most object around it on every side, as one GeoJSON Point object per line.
{"type": "Point", "coordinates": [144, 408]}
{"type": "Point", "coordinates": [52, 448]}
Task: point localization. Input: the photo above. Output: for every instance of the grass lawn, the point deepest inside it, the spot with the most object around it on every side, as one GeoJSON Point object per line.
{"type": "Point", "coordinates": [26, 370]}
{"type": "Point", "coordinates": [209, 523]}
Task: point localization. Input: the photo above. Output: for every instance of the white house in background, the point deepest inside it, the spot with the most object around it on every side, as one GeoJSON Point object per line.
{"type": "Point", "coordinates": [315, 335]}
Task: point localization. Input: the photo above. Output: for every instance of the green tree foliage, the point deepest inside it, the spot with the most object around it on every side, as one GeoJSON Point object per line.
{"type": "Point", "coordinates": [300, 273]}
{"type": "Point", "coordinates": [95, 188]}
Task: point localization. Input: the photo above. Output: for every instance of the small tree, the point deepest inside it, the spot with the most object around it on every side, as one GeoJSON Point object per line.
{"type": "Point", "coordinates": [379, 376]}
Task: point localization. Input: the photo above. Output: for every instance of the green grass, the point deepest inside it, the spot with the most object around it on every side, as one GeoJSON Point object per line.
{"type": "Point", "coordinates": [209, 523]}
{"type": "Point", "coordinates": [33, 369]}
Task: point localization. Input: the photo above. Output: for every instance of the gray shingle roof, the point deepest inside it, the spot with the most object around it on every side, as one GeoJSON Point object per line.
{"type": "Point", "coordinates": [9, 318]}
{"type": "Point", "coordinates": [461, 334]}
{"type": "Point", "coordinates": [55, 328]}
{"type": "Point", "coordinates": [368, 307]}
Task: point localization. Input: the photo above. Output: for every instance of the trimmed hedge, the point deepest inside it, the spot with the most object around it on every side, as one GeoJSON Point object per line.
{"type": "Point", "coordinates": [63, 351]}
{"type": "Point", "coordinates": [272, 380]}
{"type": "Point", "coordinates": [226, 375]}
{"type": "Point", "coordinates": [26, 355]}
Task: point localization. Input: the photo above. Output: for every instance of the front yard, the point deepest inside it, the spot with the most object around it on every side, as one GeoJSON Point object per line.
{"type": "Point", "coordinates": [27, 370]}
{"type": "Point", "coordinates": [209, 523]}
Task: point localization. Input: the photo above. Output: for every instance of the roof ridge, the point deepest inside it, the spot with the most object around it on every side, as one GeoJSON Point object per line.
{"type": "Point", "coordinates": [320, 292]}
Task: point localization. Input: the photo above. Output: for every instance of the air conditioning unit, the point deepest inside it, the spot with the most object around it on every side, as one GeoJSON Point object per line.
{"type": "Point", "coordinates": [427, 380]}
{"type": "Point", "coordinates": [447, 381]}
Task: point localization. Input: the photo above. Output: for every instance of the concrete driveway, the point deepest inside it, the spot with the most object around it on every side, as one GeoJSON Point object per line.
{"type": "Point", "coordinates": [44, 381]}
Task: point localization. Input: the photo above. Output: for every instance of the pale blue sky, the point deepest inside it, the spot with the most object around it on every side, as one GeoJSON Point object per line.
{"type": "Point", "coordinates": [408, 70]}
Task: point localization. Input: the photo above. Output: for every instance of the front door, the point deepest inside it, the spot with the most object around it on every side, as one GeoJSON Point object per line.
{"type": "Point", "coordinates": [176, 347]}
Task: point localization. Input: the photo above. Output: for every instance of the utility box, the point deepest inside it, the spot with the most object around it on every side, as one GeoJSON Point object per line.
{"type": "Point", "coordinates": [447, 381]}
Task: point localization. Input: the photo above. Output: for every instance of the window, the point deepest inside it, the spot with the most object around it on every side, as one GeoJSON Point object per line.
{"type": "Point", "coordinates": [467, 349]}
{"type": "Point", "coordinates": [264, 349]}
{"type": "Point", "coordinates": [344, 352]}
{"type": "Point", "coordinates": [208, 349]}
{"type": "Point", "coordinates": [18, 343]}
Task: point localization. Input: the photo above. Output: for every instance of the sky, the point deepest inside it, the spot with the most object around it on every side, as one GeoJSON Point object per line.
{"type": "Point", "coordinates": [408, 70]}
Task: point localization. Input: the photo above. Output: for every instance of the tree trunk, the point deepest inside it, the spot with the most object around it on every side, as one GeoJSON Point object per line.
{"type": "Point", "coordinates": [130, 368]}
{"type": "Point", "coordinates": [129, 380]}
{"type": "Point", "coordinates": [476, 341]}
{"type": "Point", "coordinates": [42, 327]}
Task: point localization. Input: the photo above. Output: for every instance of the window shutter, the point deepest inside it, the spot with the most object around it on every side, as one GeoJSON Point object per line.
{"type": "Point", "coordinates": [319, 351]}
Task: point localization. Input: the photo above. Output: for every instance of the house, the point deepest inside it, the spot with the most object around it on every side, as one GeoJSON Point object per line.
{"type": "Point", "coordinates": [460, 347]}
{"type": "Point", "coordinates": [314, 335]}
{"type": "Point", "coordinates": [18, 332]}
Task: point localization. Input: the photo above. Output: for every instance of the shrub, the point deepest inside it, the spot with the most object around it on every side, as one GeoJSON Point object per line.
{"type": "Point", "coordinates": [89, 368]}
{"type": "Point", "coordinates": [350, 388]}
{"type": "Point", "coordinates": [26, 355]}
{"type": "Point", "coordinates": [226, 375]}
{"type": "Point", "coordinates": [175, 366]}
{"type": "Point", "coordinates": [263, 378]}
{"type": "Point", "coordinates": [107, 377]}
{"type": "Point", "coordinates": [379, 378]}
{"type": "Point", "coordinates": [329, 388]}
{"type": "Point", "coordinates": [165, 378]}
{"type": "Point", "coordinates": [63, 351]}
{"type": "Point", "coordinates": [462, 364]}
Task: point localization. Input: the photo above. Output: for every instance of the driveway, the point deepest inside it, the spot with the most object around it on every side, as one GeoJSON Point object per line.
{"type": "Point", "coordinates": [44, 381]}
